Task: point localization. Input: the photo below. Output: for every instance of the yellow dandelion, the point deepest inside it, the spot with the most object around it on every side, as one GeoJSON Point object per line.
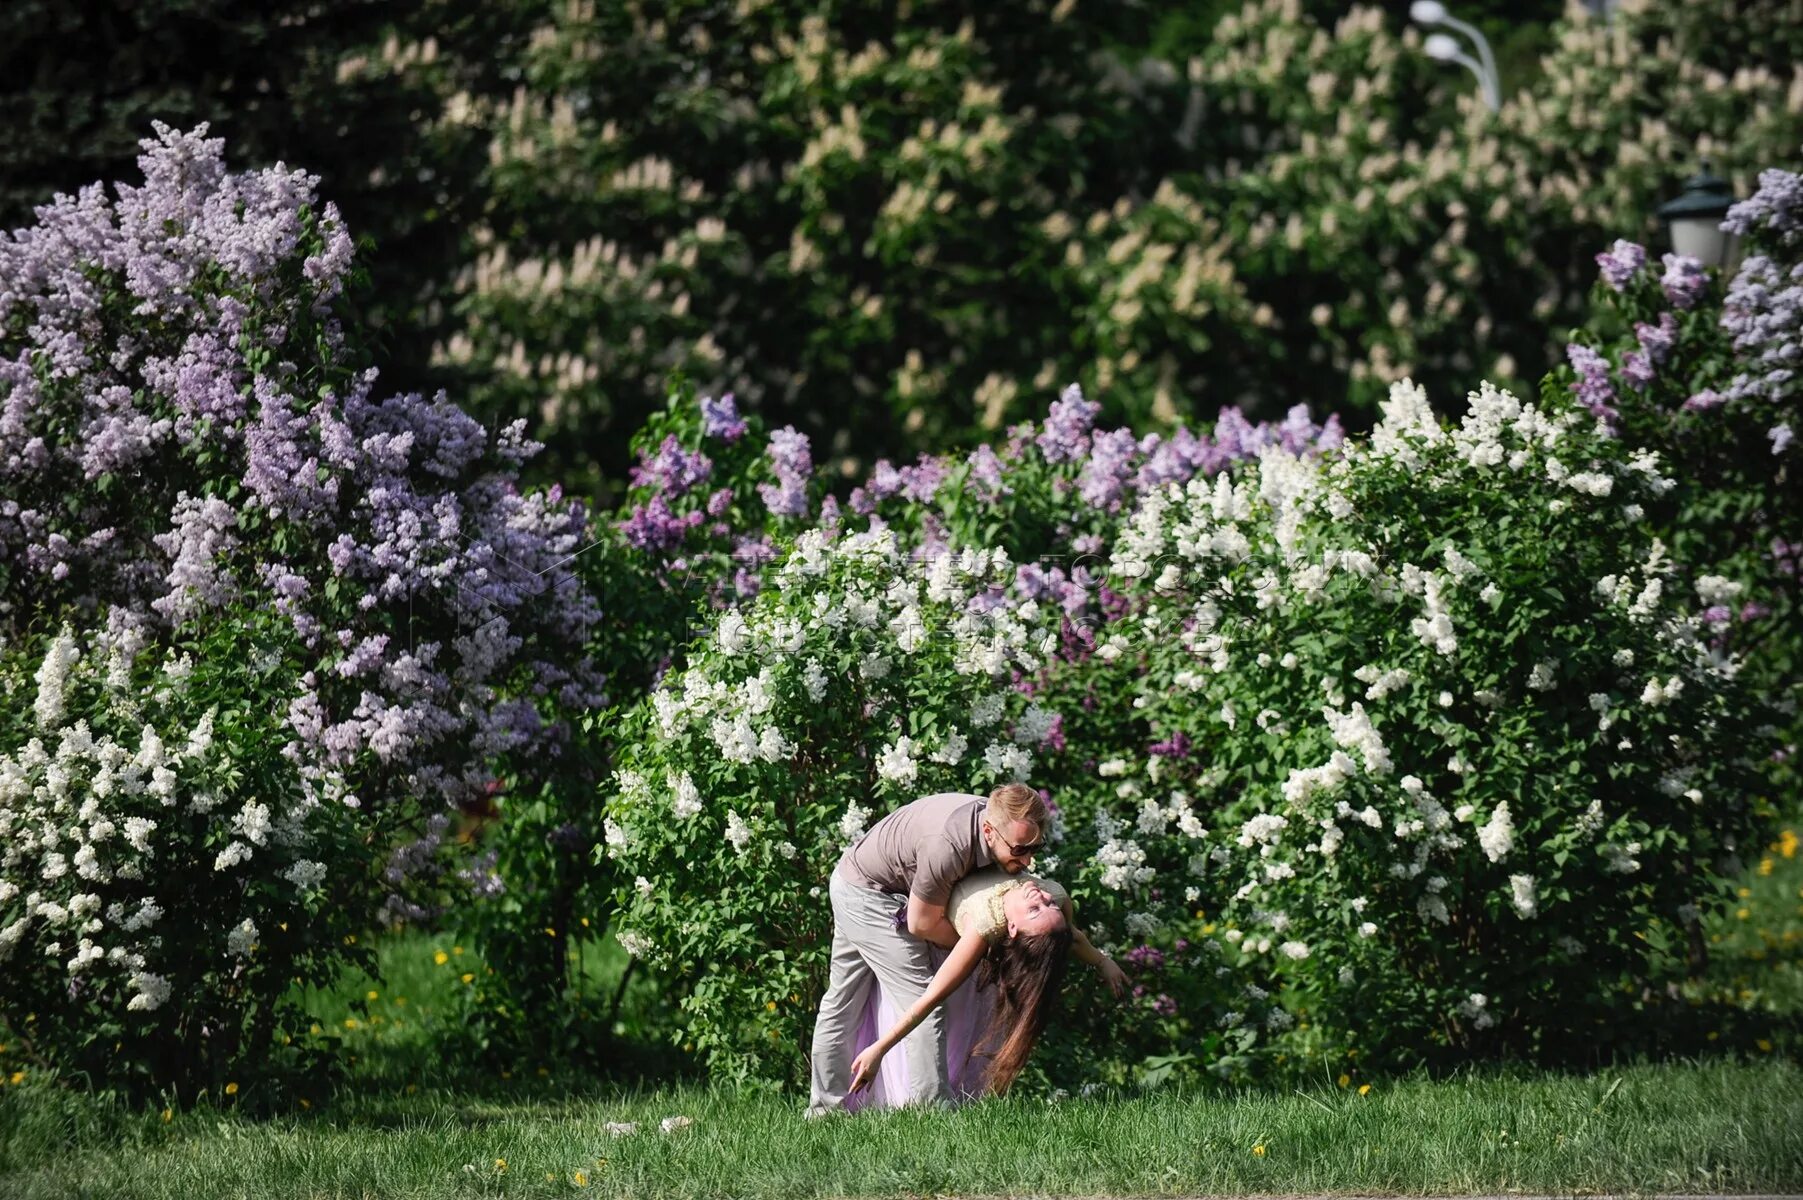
{"type": "Point", "coordinates": [1258, 1151]}
{"type": "Point", "coordinates": [550, 932]}
{"type": "Point", "coordinates": [580, 1179]}
{"type": "Point", "coordinates": [350, 1022]}
{"type": "Point", "coordinates": [1364, 1089]}
{"type": "Point", "coordinates": [231, 1089]}
{"type": "Point", "coordinates": [468, 977]}
{"type": "Point", "coordinates": [1765, 866]}
{"type": "Point", "coordinates": [441, 958]}
{"type": "Point", "coordinates": [16, 1078]}
{"type": "Point", "coordinates": [314, 1029]}
{"type": "Point", "coordinates": [500, 1164]}
{"type": "Point", "coordinates": [585, 922]}
{"type": "Point", "coordinates": [1745, 892]}
{"type": "Point", "coordinates": [456, 949]}
{"type": "Point", "coordinates": [770, 1004]}
{"type": "Point", "coordinates": [1345, 1080]}
{"type": "Point", "coordinates": [370, 995]}
{"type": "Point", "coordinates": [1765, 1045]}
{"type": "Point", "coordinates": [1743, 913]}
{"type": "Point", "coordinates": [168, 1115]}
{"type": "Point", "coordinates": [1787, 843]}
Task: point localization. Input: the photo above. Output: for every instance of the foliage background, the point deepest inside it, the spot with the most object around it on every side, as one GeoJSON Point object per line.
{"type": "Point", "coordinates": [589, 214]}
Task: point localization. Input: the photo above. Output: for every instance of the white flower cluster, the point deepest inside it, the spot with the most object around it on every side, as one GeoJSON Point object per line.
{"type": "Point", "coordinates": [1497, 835]}
{"type": "Point", "coordinates": [859, 598]}
{"type": "Point", "coordinates": [92, 828]}
{"type": "Point", "coordinates": [1123, 860]}
{"type": "Point", "coordinates": [1476, 1009]}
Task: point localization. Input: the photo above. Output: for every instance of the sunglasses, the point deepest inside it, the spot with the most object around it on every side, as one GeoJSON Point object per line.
{"type": "Point", "coordinates": [1023, 851]}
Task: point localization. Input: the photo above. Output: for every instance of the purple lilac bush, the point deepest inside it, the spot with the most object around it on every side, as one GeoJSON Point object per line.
{"type": "Point", "coordinates": [708, 506]}
{"type": "Point", "coordinates": [186, 422]}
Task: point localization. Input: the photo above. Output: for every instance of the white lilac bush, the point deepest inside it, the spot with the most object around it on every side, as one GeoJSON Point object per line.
{"type": "Point", "coordinates": [165, 880]}
{"type": "Point", "coordinates": [1533, 790]}
{"type": "Point", "coordinates": [861, 678]}
{"type": "Point", "coordinates": [1444, 745]}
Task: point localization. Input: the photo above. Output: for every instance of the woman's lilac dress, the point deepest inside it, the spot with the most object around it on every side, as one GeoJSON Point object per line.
{"type": "Point", "coordinates": [969, 1011]}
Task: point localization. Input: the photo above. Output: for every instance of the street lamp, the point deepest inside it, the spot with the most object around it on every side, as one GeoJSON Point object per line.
{"type": "Point", "coordinates": [1444, 47]}
{"type": "Point", "coordinates": [1694, 218]}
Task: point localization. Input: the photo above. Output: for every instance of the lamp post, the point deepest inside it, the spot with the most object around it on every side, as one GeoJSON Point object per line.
{"type": "Point", "coordinates": [1694, 220]}
{"type": "Point", "coordinates": [1445, 48]}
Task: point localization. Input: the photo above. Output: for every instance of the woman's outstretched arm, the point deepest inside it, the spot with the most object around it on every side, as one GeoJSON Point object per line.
{"type": "Point", "coordinates": [1086, 952]}
{"type": "Point", "coordinates": [956, 968]}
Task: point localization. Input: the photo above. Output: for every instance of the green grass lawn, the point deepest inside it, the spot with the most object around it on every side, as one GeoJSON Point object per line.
{"type": "Point", "coordinates": [1667, 1128]}
{"type": "Point", "coordinates": [414, 1120]}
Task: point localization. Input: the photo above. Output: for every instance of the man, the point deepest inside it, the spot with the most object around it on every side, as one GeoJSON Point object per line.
{"type": "Point", "coordinates": [916, 854]}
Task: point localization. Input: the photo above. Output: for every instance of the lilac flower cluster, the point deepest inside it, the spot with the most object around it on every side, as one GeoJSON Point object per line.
{"type": "Point", "coordinates": [1774, 212]}
{"type": "Point", "coordinates": [985, 474]}
{"type": "Point", "coordinates": [1763, 310]}
{"type": "Point", "coordinates": [720, 418]}
{"type": "Point", "coordinates": [672, 470]}
{"type": "Point", "coordinates": [1684, 280]}
{"type": "Point", "coordinates": [918, 484]}
{"type": "Point", "coordinates": [792, 464]}
{"type": "Point", "coordinates": [1594, 391]}
{"type": "Point", "coordinates": [1621, 262]}
{"type": "Point", "coordinates": [1065, 436]}
{"type": "Point", "coordinates": [1640, 366]}
{"type": "Point", "coordinates": [171, 440]}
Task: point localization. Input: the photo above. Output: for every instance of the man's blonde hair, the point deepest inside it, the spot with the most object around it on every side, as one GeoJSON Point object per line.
{"type": "Point", "coordinates": [1015, 802]}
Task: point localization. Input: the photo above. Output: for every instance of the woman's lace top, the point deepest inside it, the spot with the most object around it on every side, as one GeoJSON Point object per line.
{"type": "Point", "coordinates": [976, 902]}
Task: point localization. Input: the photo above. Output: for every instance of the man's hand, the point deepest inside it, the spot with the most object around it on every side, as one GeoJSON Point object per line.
{"type": "Point", "coordinates": [864, 1067]}
{"type": "Point", "coordinates": [1113, 976]}
{"type": "Point", "coordinates": [928, 923]}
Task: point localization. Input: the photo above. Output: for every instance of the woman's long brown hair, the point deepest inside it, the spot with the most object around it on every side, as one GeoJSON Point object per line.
{"type": "Point", "coordinates": [1026, 972]}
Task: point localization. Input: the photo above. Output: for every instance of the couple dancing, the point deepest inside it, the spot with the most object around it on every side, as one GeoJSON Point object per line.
{"type": "Point", "coordinates": [945, 945]}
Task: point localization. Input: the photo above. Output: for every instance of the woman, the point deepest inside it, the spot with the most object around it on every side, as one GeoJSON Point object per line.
{"type": "Point", "coordinates": [998, 984]}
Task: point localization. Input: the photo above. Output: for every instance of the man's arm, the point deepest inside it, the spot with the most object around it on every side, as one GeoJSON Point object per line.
{"type": "Point", "coordinates": [929, 923]}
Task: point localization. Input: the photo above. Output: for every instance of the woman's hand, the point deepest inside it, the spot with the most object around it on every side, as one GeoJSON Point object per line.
{"type": "Point", "coordinates": [1113, 976]}
{"type": "Point", "coordinates": [864, 1066]}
